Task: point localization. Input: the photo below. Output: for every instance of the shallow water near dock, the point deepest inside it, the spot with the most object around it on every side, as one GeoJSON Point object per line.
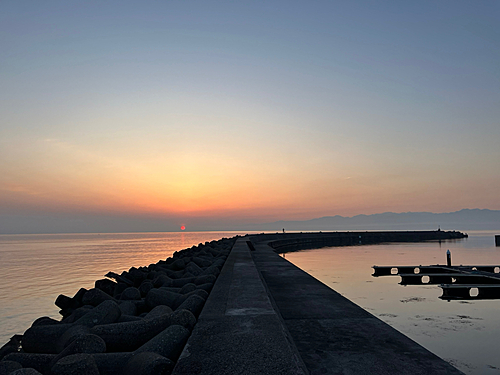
{"type": "Point", "coordinates": [465, 333]}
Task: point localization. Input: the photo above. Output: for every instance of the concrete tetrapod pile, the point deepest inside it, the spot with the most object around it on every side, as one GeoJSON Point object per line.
{"type": "Point", "coordinates": [137, 323]}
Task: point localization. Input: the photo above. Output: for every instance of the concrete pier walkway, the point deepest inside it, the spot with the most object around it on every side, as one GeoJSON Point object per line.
{"type": "Point", "coordinates": [266, 316]}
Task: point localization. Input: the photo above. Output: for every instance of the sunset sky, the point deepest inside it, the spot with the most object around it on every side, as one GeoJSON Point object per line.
{"type": "Point", "coordinates": [195, 112]}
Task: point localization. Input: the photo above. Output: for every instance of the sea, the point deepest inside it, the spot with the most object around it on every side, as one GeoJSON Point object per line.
{"type": "Point", "coordinates": [37, 268]}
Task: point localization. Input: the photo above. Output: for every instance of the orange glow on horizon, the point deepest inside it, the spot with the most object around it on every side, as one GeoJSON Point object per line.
{"type": "Point", "coordinates": [76, 178]}
{"type": "Point", "coordinates": [183, 227]}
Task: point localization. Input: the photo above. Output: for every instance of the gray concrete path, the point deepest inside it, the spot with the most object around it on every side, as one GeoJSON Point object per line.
{"type": "Point", "coordinates": [239, 331]}
{"type": "Point", "coordinates": [266, 316]}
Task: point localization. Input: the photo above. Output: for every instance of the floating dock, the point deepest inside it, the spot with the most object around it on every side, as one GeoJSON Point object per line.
{"type": "Point", "coordinates": [457, 282]}
{"type": "Point", "coordinates": [267, 316]}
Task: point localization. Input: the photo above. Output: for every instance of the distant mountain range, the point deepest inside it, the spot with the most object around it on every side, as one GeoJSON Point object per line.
{"type": "Point", "coordinates": [463, 220]}
{"type": "Point", "coordinates": [466, 219]}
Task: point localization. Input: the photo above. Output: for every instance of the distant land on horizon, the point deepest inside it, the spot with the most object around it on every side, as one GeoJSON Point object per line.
{"type": "Point", "coordinates": [463, 220]}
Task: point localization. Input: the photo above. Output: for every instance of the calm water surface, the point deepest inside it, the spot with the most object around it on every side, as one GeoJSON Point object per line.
{"type": "Point", "coordinates": [35, 269]}
{"type": "Point", "coordinates": [465, 333]}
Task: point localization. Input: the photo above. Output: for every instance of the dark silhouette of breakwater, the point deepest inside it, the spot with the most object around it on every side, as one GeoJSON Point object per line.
{"type": "Point", "coordinates": [288, 242]}
{"type": "Point", "coordinates": [267, 316]}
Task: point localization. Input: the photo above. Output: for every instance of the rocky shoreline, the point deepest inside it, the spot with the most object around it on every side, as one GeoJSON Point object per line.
{"type": "Point", "coordinates": [136, 322]}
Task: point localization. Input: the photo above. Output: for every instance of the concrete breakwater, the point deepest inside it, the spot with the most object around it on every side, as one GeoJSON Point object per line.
{"type": "Point", "coordinates": [136, 322]}
{"type": "Point", "coordinates": [285, 242]}
{"type": "Point", "coordinates": [267, 316]}
{"type": "Point", "coordinates": [263, 315]}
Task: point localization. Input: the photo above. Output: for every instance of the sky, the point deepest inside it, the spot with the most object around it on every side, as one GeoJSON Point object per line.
{"type": "Point", "coordinates": [124, 115]}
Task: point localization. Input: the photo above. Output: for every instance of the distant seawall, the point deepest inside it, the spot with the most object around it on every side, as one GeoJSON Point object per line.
{"type": "Point", "coordinates": [288, 242]}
